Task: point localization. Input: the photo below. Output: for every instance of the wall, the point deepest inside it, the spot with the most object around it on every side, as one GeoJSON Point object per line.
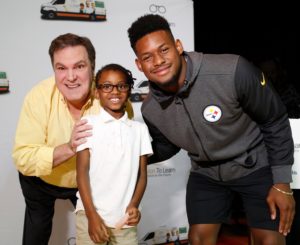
{"type": "Point", "coordinates": [24, 40]}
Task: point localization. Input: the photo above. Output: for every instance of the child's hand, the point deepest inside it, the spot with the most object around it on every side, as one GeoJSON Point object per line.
{"type": "Point", "coordinates": [122, 222]}
{"type": "Point", "coordinates": [97, 229]}
{"type": "Point", "coordinates": [134, 216]}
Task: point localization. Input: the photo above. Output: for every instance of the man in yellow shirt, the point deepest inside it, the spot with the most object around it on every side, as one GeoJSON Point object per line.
{"type": "Point", "coordinates": [49, 130]}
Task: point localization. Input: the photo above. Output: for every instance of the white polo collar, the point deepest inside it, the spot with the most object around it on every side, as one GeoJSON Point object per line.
{"type": "Point", "coordinates": [107, 118]}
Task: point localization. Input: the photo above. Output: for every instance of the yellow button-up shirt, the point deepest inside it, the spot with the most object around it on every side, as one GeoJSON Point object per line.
{"type": "Point", "coordinates": [45, 122]}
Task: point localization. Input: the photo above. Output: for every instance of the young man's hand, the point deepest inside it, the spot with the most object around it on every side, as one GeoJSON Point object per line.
{"type": "Point", "coordinates": [281, 197]}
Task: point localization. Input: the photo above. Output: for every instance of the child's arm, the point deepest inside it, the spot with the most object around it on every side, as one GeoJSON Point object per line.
{"type": "Point", "coordinates": [132, 208]}
{"type": "Point", "coordinates": [97, 229]}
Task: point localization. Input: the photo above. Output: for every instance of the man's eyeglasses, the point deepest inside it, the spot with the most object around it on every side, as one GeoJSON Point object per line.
{"type": "Point", "coordinates": [107, 87]}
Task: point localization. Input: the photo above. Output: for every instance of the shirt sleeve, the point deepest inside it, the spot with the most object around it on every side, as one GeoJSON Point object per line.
{"type": "Point", "coordinates": [31, 154]}
{"type": "Point", "coordinates": [146, 148]}
{"type": "Point", "coordinates": [261, 102]}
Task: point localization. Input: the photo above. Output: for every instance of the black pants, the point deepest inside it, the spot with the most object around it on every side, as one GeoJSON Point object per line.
{"type": "Point", "coordinates": [40, 199]}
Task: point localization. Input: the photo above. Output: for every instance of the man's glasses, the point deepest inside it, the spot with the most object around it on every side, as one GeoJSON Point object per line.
{"type": "Point", "coordinates": [107, 87]}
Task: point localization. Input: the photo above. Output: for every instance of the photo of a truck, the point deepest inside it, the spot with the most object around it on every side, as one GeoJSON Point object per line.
{"type": "Point", "coordinates": [4, 83]}
{"type": "Point", "coordinates": [74, 9]}
{"type": "Point", "coordinates": [140, 91]}
{"type": "Point", "coordinates": [166, 236]}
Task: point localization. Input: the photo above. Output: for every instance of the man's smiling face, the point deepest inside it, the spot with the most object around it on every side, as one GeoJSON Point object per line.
{"type": "Point", "coordinates": [73, 74]}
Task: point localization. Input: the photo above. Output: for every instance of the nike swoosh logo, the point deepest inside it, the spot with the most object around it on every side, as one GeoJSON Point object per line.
{"type": "Point", "coordinates": [263, 82]}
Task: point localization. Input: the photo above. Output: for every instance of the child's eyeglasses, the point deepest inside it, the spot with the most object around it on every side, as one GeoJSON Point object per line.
{"type": "Point", "coordinates": [107, 88]}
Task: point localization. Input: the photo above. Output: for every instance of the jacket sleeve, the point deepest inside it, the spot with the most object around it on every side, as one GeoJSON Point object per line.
{"type": "Point", "coordinates": [260, 101]}
{"type": "Point", "coordinates": [163, 149]}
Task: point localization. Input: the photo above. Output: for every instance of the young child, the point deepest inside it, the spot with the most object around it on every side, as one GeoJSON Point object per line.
{"type": "Point", "coordinates": [111, 166]}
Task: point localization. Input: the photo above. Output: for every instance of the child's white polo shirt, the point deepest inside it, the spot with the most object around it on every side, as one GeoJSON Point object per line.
{"type": "Point", "coordinates": [115, 148]}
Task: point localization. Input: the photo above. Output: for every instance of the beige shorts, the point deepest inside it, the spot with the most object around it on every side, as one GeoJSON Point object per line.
{"type": "Point", "coordinates": [126, 236]}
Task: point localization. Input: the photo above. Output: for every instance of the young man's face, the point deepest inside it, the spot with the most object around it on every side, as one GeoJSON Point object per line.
{"type": "Point", "coordinates": [159, 58]}
{"type": "Point", "coordinates": [113, 101]}
{"type": "Point", "coordinates": [73, 74]}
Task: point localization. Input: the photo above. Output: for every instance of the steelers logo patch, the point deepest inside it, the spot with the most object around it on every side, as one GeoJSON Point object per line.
{"type": "Point", "coordinates": [212, 113]}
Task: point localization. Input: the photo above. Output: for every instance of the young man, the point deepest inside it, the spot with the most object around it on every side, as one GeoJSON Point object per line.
{"type": "Point", "coordinates": [222, 111]}
{"type": "Point", "coordinates": [45, 141]}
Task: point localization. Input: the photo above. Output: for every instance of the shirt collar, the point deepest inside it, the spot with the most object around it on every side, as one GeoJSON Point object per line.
{"type": "Point", "coordinates": [107, 118]}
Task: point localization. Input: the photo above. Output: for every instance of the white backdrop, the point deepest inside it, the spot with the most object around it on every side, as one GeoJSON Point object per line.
{"type": "Point", "coordinates": [295, 125]}
{"type": "Point", "coordinates": [24, 39]}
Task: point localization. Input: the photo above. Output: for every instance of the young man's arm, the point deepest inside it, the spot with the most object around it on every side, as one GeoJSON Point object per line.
{"type": "Point", "coordinates": [132, 208]}
{"type": "Point", "coordinates": [97, 229]}
{"type": "Point", "coordinates": [258, 98]}
{"type": "Point", "coordinates": [163, 149]}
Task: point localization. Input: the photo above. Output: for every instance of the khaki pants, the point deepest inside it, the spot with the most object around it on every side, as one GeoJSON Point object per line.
{"type": "Point", "coordinates": [126, 236]}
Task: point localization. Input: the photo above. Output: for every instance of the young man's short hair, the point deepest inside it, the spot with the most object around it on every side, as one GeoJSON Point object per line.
{"type": "Point", "coordinates": [147, 24]}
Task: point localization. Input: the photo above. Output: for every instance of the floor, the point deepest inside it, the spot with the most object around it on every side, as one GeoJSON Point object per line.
{"type": "Point", "coordinates": [234, 234]}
